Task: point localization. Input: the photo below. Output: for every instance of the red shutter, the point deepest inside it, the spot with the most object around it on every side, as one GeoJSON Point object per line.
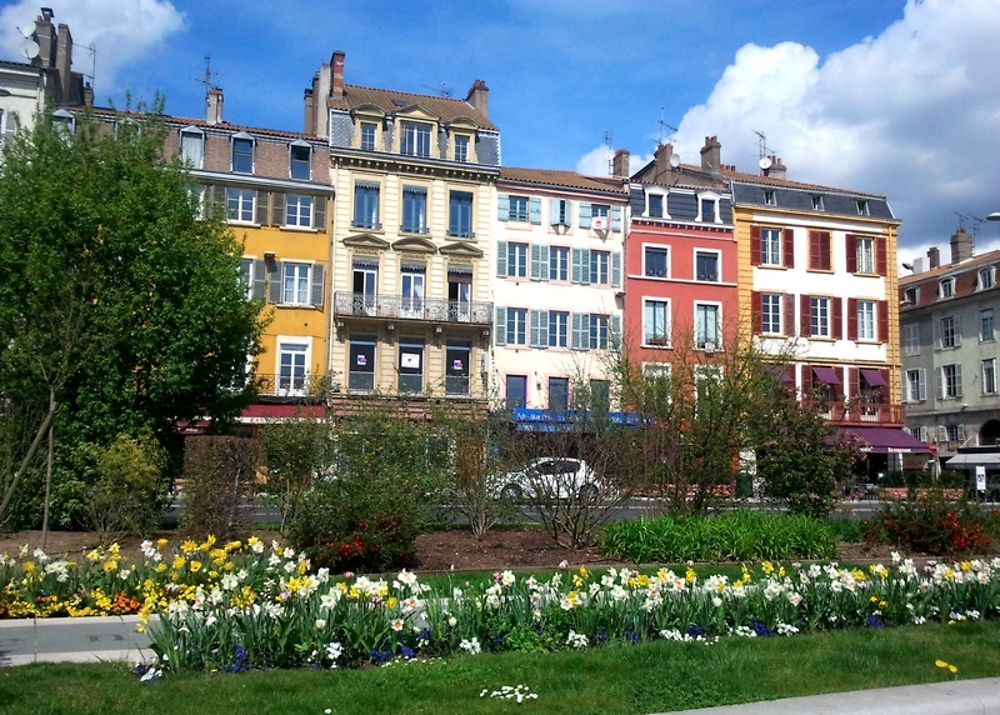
{"type": "Point", "coordinates": [838, 390]}
{"type": "Point", "coordinates": [883, 321]}
{"type": "Point", "coordinates": [807, 382]}
{"type": "Point", "coordinates": [854, 378]}
{"type": "Point", "coordinates": [852, 318]}
{"type": "Point", "coordinates": [814, 250]}
{"type": "Point", "coordinates": [881, 264]}
{"type": "Point", "coordinates": [788, 314]}
{"type": "Point", "coordinates": [804, 318]}
{"type": "Point", "coordinates": [755, 245]}
{"type": "Point", "coordinates": [756, 308]}
{"type": "Point", "coordinates": [788, 238]}
{"type": "Point", "coordinates": [837, 324]}
{"type": "Point", "coordinates": [884, 391]}
{"type": "Point", "coordinates": [790, 372]}
{"type": "Point", "coordinates": [824, 247]}
{"type": "Point", "coordinates": [852, 254]}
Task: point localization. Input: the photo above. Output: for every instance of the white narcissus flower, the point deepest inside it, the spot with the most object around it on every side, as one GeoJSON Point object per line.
{"type": "Point", "coordinates": [397, 624]}
{"type": "Point", "coordinates": [320, 624]}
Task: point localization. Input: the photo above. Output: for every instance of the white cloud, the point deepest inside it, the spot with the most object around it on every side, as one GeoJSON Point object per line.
{"type": "Point", "coordinates": [911, 113]}
{"type": "Point", "coordinates": [596, 162]}
{"type": "Point", "coordinates": [123, 31]}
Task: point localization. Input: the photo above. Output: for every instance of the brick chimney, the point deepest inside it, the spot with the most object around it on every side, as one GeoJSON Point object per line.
{"type": "Point", "coordinates": [479, 97]}
{"type": "Point", "coordinates": [961, 246]}
{"type": "Point", "coordinates": [64, 60]}
{"type": "Point", "coordinates": [337, 65]}
{"type": "Point", "coordinates": [778, 170]}
{"type": "Point", "coordinates": [711, 155]}
{"type": "Point", "coordinates": [309, 116]}
{"type": "Point", "coordinates": [661, 166]}
{"type": "Point", "coordinates": [621, 163]}
{"type": "Point", "coordinates": [45, 36]}
{"type": "Point", "coordinates": [213, 105]}
{"type": "Point", "coordinates": [933, 258]}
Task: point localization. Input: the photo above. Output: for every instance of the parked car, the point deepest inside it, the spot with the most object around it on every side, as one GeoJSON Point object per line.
{"type": "Point", "coordinates": [551, 478]}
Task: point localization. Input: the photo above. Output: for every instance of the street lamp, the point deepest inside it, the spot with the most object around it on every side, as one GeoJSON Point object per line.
{"type": "Point", "coordinates": [995, 216]}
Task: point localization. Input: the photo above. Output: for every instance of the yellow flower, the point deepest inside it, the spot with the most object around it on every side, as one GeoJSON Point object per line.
{"type": "Point", "coordinates": [941, 663]}
{"type": "Point", "coordinates": [952, 668]}
{"type": "Point", "coordinates": [966, 565]}
{"type": "Point", "coordinates": [94, 555]}
{"type": "Point", "coordinates": [162, 542]}
{"type": "Point", "coordinates": [179, 562]}
{"type": "Point", "coordinates": [188, 546]}
{"type": "Point", "coordinates": [690, 576]}
{"type": "Point", "coordinates": [767, 567]}
{"type": "Point", "coordinates": [392, 602]}
{"type": "Point", "coordinates": [161, 567]}
{"type": "Point", "coordinates": [781, 572]}
{"type": "Point", "coordinates": [584, 573]}
{"type": "Point", "coordinates": [29, 567]}
{"type": "Point", "coordinates": [195, 566]}
{"type": "Point", "coordinates": [110, 565]}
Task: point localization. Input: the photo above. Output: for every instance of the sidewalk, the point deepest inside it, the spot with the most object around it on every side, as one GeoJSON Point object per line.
{"type": "Point", "coordinates": [78, 640]}
{"type": "Point", "coordinates": [958, 697]}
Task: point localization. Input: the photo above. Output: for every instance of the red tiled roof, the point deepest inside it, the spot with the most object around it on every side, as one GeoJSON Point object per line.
{"type": "Point", "coordinates": [562, 178]}
{"type": "Point", "coordinates": [745, 178]}
{"type": "Point", "coordinates": [390, 101]}
{"type": "Point", "coordinates": [950, 268]}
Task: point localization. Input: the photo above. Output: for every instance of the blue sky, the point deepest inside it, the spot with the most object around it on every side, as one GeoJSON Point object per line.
{"type": "Point", "coordinates": [879, 95]}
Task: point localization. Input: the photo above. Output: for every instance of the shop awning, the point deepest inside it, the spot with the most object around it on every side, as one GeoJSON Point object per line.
{"type": "Point", "coordinates": [966, 461]}
{"type": "Point", "coordinates": [826, 375]}
{"type": "Point", "coordinates": [535, 420]}
{"type": "Point", "coordinates": [873, 377]}
{"type": "Point", "coordinates": [883, 440]}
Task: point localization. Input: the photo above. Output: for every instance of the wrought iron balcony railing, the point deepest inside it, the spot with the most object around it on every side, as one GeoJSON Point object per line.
{"type": "Point", "coordinates": [398, 307]}
{"type": "Point", "coordinates": [860, 413]}
{"type": "Point", "coordinates": [298, 385]}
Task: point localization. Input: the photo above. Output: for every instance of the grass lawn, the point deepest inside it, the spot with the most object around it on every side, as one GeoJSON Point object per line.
{"type": "Point", "coordinates": [651, 677]}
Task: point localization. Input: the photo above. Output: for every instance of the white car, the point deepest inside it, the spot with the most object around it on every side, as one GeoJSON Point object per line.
{"type": "Point", "coordinates": [550, 478]}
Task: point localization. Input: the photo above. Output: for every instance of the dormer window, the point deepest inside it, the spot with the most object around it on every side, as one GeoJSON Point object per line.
{"type": "Point", "coordinates": [769, 198]}
{"type": "Point", "coordinates": [656, 204]}
{"type": "Point", "coordinates": [462, 147]}
{"type": "Point", "coordinates": [986, 278]}
{"type": "Point", "coordinates": [369, 131]}
{"type": "Point", "coordinates": [946, 288]}
{"type": "Point", "coordinates": [911, 296]}
{"type": "Point", "coordinates": [708, 208]}
{"type": "Point", "coordinates": [817, 202]}
{"type": "Point", "coordinates": [63, 121]}
{"type": "Point", "coordinates": [300, 161]}
{"type": "Point", "coordinates": [243, 154]}
{"type": "Point", "coordinates": [415, 139]}
{"type": "Point", "coordinates": [193, 147]}
{"type": "Point", "coordinates": [863, 209]}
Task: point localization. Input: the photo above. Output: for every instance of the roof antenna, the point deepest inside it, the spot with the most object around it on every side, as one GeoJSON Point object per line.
{"type": "Point", "coordinates": [764, 160]}
{"type": "Point", "coordinates": [663, 125]}
{"type": "Point", "coordinates": [609, 154]}
{"type": "Point", "coordinates": [209, 79]}
{"type": "Point", "coordinates": [442, 90]}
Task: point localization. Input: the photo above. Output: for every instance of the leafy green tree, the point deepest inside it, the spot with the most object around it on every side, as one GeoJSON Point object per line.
{"type": "Point", "coordinates": [122, 311]}
{"type": "Point", "coordinates": [296, 451]}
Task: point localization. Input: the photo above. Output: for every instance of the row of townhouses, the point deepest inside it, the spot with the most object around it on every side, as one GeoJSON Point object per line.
{"type": "Point", "coordinates": [397, 256]}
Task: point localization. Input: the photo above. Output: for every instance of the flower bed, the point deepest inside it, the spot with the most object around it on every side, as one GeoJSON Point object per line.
{"type": "Point", "coordinates": [239, 606]}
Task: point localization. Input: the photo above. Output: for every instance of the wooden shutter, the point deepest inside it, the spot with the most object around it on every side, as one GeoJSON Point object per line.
{"type": "Point", "coordinates": [881, 262]}
{"type": "Point", "coordinates": [501, 259]}
{"type": "Point", "coordinates": [584, 214]}
{"type": "Point", "coordinates": [585, 266]}
{"type": "Point", "coordinates": [536, 262]}
{"type": "Point", "coordinates": [277, 209]}
{"type": "Point", "coordinates": [259, 273]}
{"type": "Point", "coordinates": [814, 250]}
{"type": "Point", "coordinates": [274, 281]}
{"type": "Point", "coordinates": [958, 380]}
{"type": "Point", "coordinates": [319, 213]}
{"type": "Point", "coordinates": [616, 269]}
{"type": "Point", "coordinates": [788, 314]}
{"type": "Point", "coordinates": [534, 334]}
{"type": "Point", "coordinates": [500, 326]}
{"type": "Point", "coordinates": [616, 218]}
{"type": "Point", "coordinates": [755, 257]}
{"type": "Point", "coordinates": [542, 316]}
{"type": "Point", "coordinates": [923, 383]}
{"type": "Point", "coordinates": [838, 390]}
{"type": "Point", "coordinates": [535, 210]}
{"type": "Point", "coordinates": [554, 206]}
{"type": "Point", "coordinates": [854, 378]}
{"type": "Point", "coordinates": [261, 208]}
{"type": "Point", "coordinates": [788, 249]}
{"type": "Point", "coordinates": [756, 310]}
{"type": "Point", "coordinates": [576, 273]}
{"type": "Point", "coordinates": [852, 318]}
{"type": "Point", "coordinates": [837, 318]}
{"type": "Point", "coordinates": [805, 328]}
{"type": "Point", "coordinates": [851, 247]}
{"type": "Point", "coordinates": [503, 207]}
{"type": "Point", "coordinates": [826, 258]}
{"type": "Point", "coordinates": [882, 308]}
{"type": "Point", "coordinates": [615, 331]}
{"type": "Point", "coordinates": [317, 285]}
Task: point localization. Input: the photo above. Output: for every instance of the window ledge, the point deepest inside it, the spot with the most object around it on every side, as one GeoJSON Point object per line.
{"type": "Point", "coordinates": [821, 338]}
{"type": "Point", "coordinates": [772, 267]}
{"type": "Point", "coordinates": [248, 224]}
{"type": "Point", "coordinates": [297, 306]}
{"type": "Point", "coordinates": [820, 270]}
{"type": "Point", "coordinates": [653, 346]}
{"type": "Point", "coordinates": [299, 229]}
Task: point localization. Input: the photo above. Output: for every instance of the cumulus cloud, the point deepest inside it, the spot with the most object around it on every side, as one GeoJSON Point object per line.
{"type": "Point", "coordinates": [911, 113]}
{"type": "Point", "coordinates": [123, 31]}
{"type": "Point", "coordinates": [596, 162]}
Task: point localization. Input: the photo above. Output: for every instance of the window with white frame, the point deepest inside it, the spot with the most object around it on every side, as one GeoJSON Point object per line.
{"type": "Point", "coordinates": [599, 211]}
{"type": "Point", "coordinates": [599, 335]}
{"type": "Point", "coordinates": [770, 246]}
{"type": "Point", "coordinates": [240, 204]}
{"type": "Point", "coordinates": [415, 139]}
{"type": "Point", "coordinates": [862, 206]}
{"type": "Point", "coordinates": [243, 155]}
{"type": "Point", "coordinates": [911, 338]}
{"type": "Point", "coordinates": [193, 148]}
{"type": "Point", "coordinates": [558, 329]}
{"type": "Point", "coordinates": [293, 366]}
{"type": "Point", "coordinates": [246, 277]}
{"type": "Point", "coordinates": [770, 313]}
{"type": "Point", "coordinates": [656, 204]}
{"type": "Point", "coordinates": [369, 131]}
{"type": "Point", "coordinates": [817, 203]}
{"type": "Point", "coordinates": [558, 263]}
{"type": "Point", "coordinates": [866, 320]}
{"type": "Point", "coordinates": [295, 283]}
{"type": "Point", "coordinates": [517, 260]}
{"type": "Point", "coordinates": [708, 208]}
{"type": "Point", "coordinates": [819, 317]}
{"type": "Point", "coordinates": [366, 204]}
{"type": "Point", "coordinates": [300, 161]}
{"type": "Point", "coordinates": [517, 326]}
{"type": "Point", "coordinates": [989, 374]}
{"type": "Point", "coordinates": [946, 288]}
{"type": "Point", "coordinates": [298, 210]}
{"type": "Point", "coordinates": [600, 267]}
{"type": "Point", "coordinates": [462, 147]}
{"type": "Point", "coordinates": [915, 388]}
{"type": "Point", "coordinates": [518, 209]}
{"type": "Point", "coordinates": [560, 212]}
{"type": "Point", "coordinates": [986, 331]}
{"type": "Point", "coordinates": [706, 325]}
{"type": "Point", "coordinates": [986, 278]}
{"type": "Point", "coordinates": [770, 199]}
{"type": "Point", "coordinates": [951, 381]}
{"type": "Point", "coordinates": [656, 261]}
{"type": "Point", "coordinates": [949, 332]}
{"type": "Point", "coordinates": [864, 248]}
{"type": "Point", "coordinates": [656, 323]}
{"type": "Point", "coordinates": [911, 296]}
{"type": "Point", "coordinates": [707, 266]}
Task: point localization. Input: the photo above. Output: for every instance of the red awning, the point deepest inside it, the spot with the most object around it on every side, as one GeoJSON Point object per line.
{"type": "Point", "coordinates": [265, 412]}
{"type": "Point", "coordinates": [884, 440]}
{"type": "Point", "coordinates": [873, 377]}
{"type": "Point", "coordinates": [826, 375]}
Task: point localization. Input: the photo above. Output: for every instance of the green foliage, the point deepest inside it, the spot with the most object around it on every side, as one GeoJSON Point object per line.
{"type": "Point", "coordinates": [119, 299]}
{"type": "Point", "coordinates": [848, 530]}
{"type": "Point", "coordinates": [735, 536]}
{"type": "Point", "coordinates": [220, 474]}
{"type": "Point", "coordinates": [128, 495]}
{"type": "Point", "coordinates": [933, 525]}
{"type": "Point", "coordinates": [295, 451]}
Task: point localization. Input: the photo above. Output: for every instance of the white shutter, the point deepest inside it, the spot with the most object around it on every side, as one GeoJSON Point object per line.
{"type": "Point", "coordinates": [922, 376]}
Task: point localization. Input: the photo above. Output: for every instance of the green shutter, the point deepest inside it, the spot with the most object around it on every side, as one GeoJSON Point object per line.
{"type": "Point", "coordinates": [259, 273]}
{"type": "Point", "coordinates": [584, 214]}
{"type": "Point", "coordinates": [261, 208]}
{"type": "Point", "coordinates": [278, 209]}
{"type": "Point", "coordinates": [274, 281]}
{"type": "Point", "coordinates": [503, 207]}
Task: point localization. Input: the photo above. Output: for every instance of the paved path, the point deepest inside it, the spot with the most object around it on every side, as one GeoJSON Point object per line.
{"type": "Point", "coordinates": [78, 640]}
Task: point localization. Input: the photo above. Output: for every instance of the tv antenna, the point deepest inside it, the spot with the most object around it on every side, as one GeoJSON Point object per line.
{"type": "Point", "coordinates": [664, 125]}
{"type": "Point", "coordinates": [441, 89]}
{"type": "Point", "coordinates": [609, 154]}
{"type": "Point", "coordinates": [210, 78]}
{"type": "Point", "coordinates": [92, 50]}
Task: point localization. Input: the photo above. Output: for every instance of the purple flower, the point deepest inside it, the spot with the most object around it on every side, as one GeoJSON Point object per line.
{"type": "Point", "coordinates": [695, 631]}
{"type": "Point", "coordinates": [874, 621]}
{"type": "Point", "coordinates": [761, 629]}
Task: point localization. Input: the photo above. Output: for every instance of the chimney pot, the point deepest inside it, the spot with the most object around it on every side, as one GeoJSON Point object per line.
{"type": "Point", "coordinates": [337, 64]}
{"type": "Point", "coordinates": [213, 105]}
{"type": "Point", "coordinates": [933, 257]}
{"type": "Point", "coordinates": [711, 155]}
{"type": "Point", "coordinates": [961, 246]}
{"type": "Point", "coordinates": [479, 96]}
{"type": "Point", "coordinates": [621, 163]}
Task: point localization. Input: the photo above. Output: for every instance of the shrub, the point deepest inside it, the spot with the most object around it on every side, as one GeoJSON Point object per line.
{"type": "Point", "coordinates": [741, 536]}
{"type": "Point", "coordinates": [931, 524]}
{"type": "Point", "coordinates": [221, 473]}
{"type": "Point", "coordinates": [128, 494]}
{"type": "Point", "coordinates": [848, 530]}
{"type": "Point", "coordinates": [295, 451]}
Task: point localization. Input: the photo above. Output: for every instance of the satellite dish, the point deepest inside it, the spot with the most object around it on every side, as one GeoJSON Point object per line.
{"type": "Point", "coordinates": [675, 160]}
{"type": "Point", "coordinates": [29, 49]}
{"type": "Point", "coordinates": [765, 163]}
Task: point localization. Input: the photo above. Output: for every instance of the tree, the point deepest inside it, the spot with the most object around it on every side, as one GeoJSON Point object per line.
{"type": "Point", "coordinates": [295, 450]}
{"type": "Point", "coordinates": [122, 311]}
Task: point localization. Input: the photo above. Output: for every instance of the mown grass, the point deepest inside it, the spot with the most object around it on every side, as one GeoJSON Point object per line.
{"type": "Point", "coordinates": [650, 677]}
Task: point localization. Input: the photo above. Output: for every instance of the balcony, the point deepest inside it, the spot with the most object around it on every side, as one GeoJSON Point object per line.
{"type": "Point", "coordinates": [296, 387]}
{"type": "Point", "coordinates": [397, 307]}
{"type": "Point", "coordinates": [863, 413]}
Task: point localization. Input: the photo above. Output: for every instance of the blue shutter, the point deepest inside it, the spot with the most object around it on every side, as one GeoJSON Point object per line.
{"type": "Point", "coordinates": [554, 211]}
{"type": "Point", "coordinates": [581, 331]}
{"type": "Point", "coordinates": [585, 266]}
{"type": "Point", "coordinates": [500, 326]}
{"type": "Point", "coordinates": [536, 262]}
{"type": "Point", "coordinates": [616, 269]}
{"type": "Point", "coordinates": [543, 328]}
{"type": "Point", "coordinates": [577, 255]}
{"type": "Point", "coordinates": [501, 259]}
{"type": "Point", "coordinates": [503, 207]}
{"type": "Point", "coordinates": [536, 210]}
{"type": "Point", "coordinates": [533, 336]}
{"type": "Point", "coordinates": [543, 263]}
{"type": "Point", "coordinates": [616, 218]}
{"type": "Point", "coordinates": [584, 214]}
